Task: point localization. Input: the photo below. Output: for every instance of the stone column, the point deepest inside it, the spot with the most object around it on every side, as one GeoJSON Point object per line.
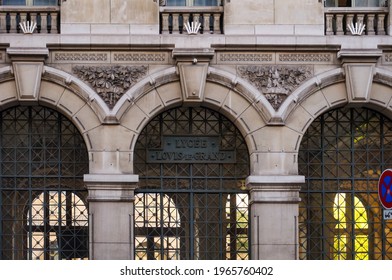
{"type": "Point", "coordinates": [274, 202]}
{"type": "Point", "coordinates": [111, 198]}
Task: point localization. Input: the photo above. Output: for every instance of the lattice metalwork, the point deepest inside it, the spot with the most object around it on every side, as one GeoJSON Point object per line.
{"type": "Point", "coordinates": [342, 156]}
{"type": "Point", "coordinates": [191, 203]}
{"type": "Point", "coordinates": [43, 212]}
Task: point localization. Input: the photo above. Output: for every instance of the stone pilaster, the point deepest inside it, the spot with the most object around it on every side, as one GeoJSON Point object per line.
{"type": "Point", "coordinates": [111, 201]}
{"type": "Point", "coordinates": [274, 216]}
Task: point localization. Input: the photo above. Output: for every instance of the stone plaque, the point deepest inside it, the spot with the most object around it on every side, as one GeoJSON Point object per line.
{"type": "Point", "coordinates": [190, 149]}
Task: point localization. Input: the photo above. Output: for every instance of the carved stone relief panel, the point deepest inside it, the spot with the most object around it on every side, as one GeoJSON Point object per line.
{"type": "Point", "coordinates": [276, 82]}
{"type": "Point", "coordinates": [245, 57]}
{"type": "Point", "coordinates": [387, 58]}
{"type": "Point", "coordinates": [305, 57]}
{"type": "Point", "coordinates": [111, 82]}
{"type": "Point", "coordinates": [140, 57]}
{"type": "Point", "coordinates": [92, 57]}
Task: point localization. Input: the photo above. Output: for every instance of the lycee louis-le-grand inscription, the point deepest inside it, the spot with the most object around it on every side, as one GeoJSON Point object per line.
{"type": "Point", "coordinates": [200, 149]}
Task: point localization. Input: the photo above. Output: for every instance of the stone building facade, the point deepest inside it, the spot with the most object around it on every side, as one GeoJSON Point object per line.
{"type": "Point", "coordinates": [259, 136]}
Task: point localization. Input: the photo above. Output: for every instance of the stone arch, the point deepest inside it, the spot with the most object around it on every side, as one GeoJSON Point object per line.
{"type": "Point", "coordinates": [60, 91]}
{"type": "Point", "coordinates": [225, 93]}
{"type": "Point", "coordinates": [328, 91]}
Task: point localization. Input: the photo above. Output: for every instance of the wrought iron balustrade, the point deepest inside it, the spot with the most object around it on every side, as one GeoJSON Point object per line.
{"type": "Point", "coordinates": [173, 19]}
{"type": "Point", "coordinates": [338, 19]}
{"type": "Point", "coordinates": [47, 18]}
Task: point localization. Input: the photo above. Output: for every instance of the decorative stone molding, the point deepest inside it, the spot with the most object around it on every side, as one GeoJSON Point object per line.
{"type": "Point", "coordinates": [245, 57]}
{"type": "Point", "coordinates": [111, 82]}
{"type": "Point", "coordinates": [305, 57]}
{"type": "Point", "coordinates": [80, 56]}
{"type": "Point", "coordinates": [383, 79]}
{"type": "Point", "coordinates": [276, 82]}
{"type": "Point", "coordinates": [388, 58]}
{"type": "Point", "coordinates": [140, 57]}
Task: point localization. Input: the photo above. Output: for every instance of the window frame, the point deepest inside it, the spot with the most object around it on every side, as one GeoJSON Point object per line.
{"type": "Point", "coordinates": [28, 3]}
{"type": "Point", "coordinates": [190, 3]}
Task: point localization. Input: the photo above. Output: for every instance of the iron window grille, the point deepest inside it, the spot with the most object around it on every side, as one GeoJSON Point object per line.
{"type": "Point", "coordinates": [342, 155]}
{"type": "Point", "coordinates": [194, 209]}
{"type": "Point", "coordinates": [43, 209]}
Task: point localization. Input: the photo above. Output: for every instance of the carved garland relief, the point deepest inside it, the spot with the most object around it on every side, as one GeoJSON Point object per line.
{"type": "Point", "coordinates": [111, 82]}
{"type": "Point", "coordinates": [276, 82]}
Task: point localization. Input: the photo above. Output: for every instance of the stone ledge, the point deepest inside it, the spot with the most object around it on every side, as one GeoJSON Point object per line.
{"type": "Point", "coordinates": [275, 180]}
{"type": "Point", "coordinates": [111, 178]}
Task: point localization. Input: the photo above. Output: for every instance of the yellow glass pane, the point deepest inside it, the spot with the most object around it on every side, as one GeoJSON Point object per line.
{"type": "Point", "coordinates": [360, 214]}
{"type": "Point", "coordinates": [340, 248]}
{"type": "Point", "coordinates": [339, 210]}
{"type": "Point", "coordinates": [361, 244]}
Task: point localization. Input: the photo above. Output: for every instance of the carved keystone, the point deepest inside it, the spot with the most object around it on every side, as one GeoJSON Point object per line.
{"type": "Point", "coordinates": [359, 70]}
{"type": "Point", "coordinates": [27, 66]}
{"type": "Point", "coordinates": [193, 67]}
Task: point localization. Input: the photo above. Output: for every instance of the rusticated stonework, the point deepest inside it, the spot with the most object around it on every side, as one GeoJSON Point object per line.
{"type": "Point", "coordinates": [276, 82]}
{"type": "Point", "coordinates": [80, 56]}
{"type": "Point", "coordinates": [305, 57]}
{"type": "Point", "coordinates": [111, 82]}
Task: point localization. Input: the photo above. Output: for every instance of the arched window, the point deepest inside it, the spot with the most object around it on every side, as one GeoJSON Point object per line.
{"type": "Point", "coordinates": [57, 226]}
{"type": "Point", "coordinates": [157, 214]}
{"type": "Point", "coordinates": [43, 212]}
{"type": "Point", "coordinates": [342, 155]}
{"type": "Point", "coordinates": [191, 202]}
{"type": "Point", "coordinates": [358, 232]}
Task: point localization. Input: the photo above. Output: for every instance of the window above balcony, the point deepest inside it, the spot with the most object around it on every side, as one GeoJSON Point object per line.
{"type": "Point", "coordinates": [29, 2]}
{"type": "Point", "coordinates": [356, 3]}
{"type": "Point", "coordinates": [44, 14]}
{"type": "Point", "coordinates": [190, 3]}
{"type": "Point", "coordinates": [175, 15]}
{"type": "Point", "coordinates": [343, 16]}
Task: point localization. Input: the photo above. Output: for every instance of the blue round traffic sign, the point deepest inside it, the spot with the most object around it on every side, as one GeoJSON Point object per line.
{"type": "Point", "coordinates": [385, 188]}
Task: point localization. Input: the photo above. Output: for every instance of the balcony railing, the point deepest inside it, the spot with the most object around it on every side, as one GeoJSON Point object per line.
{"type": "Point", "coordinates": [374, 19]}
{"type": "Point", "coordinates": [47, 18]}
{"type": "Point", "coordinates": [173, 19]}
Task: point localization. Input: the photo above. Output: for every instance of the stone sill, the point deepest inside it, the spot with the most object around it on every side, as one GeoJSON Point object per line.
{"type": "Point", "coordinates": [28, 9]}
{"type": "Point", "coordinates": [355, 10]}
{"type": "Point", "coordinates": [194, 9]}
